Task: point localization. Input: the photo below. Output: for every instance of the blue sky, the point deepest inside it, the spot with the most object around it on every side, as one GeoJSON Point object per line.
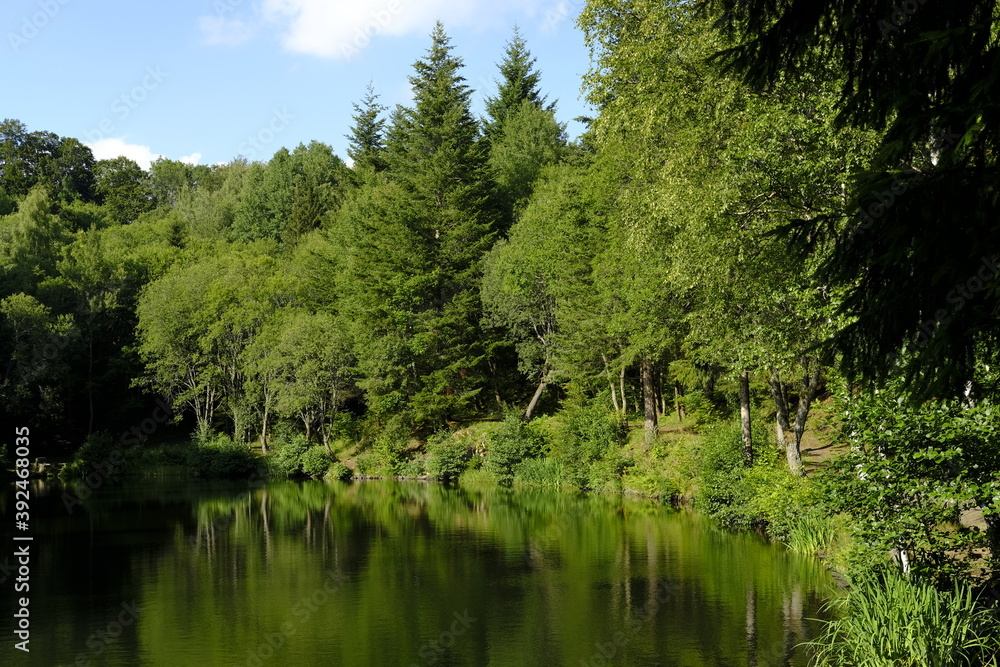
{"type": "Point", "coordinates": [208, 80]}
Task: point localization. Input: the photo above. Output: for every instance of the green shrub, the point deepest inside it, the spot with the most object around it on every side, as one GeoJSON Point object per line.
{"type": "Point", "coordinates": [910, 471]}
{"type": "Point", "coordinates": [765, 494]}
{"type": "Point", "coordinates": [98, 453]}
{"type": "Point", "coordinates": [389, 447]}
{"type": "Point", "coordinates": [595, 430]}
{"type": "Point", "coordinates": [219, 456]}
{"type": "Point", "coordinates": [447, 456]}
{"type": "Point", "coordinates": [894, 620]}
{"type": "Point", "coordinates": [778, 498]}
{"type": "Point", "coordinates": [315, 461]}
{"type": "Point", "coordinates": [589, 443]}
{"type": "Point", "coordinates": [173, 454]}
{"type": "Point", "coordinates": [345, 426]}
{"type": "Point", "coordinates": [411, 468]}
{"type": "Point", "coordinates": [367, 463]}
{"type": "Point", "coordinates": [476, 461]}
{"type": "Point", "coordinates": [652, 484]}
{"type": "Point", "coordinates": [477, 477]}
{"type": "Point", "coordinates": [698, 408]}
{"type": "Point", "coordinates": [339, 471]}
{"type": "Point", "coordinates": [510, 444]}
{"type": "Point", "coordinates": [605, 474]}
{"type": "Point", "coordinates": [285, 459]}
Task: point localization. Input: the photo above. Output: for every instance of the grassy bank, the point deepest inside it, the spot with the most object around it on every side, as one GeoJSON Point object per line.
{"type": "Point", "coordinates": [696, 462]}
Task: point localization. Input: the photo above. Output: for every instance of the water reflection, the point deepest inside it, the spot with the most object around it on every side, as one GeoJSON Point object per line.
{"type": "Point", "coordinates": [385, 573]}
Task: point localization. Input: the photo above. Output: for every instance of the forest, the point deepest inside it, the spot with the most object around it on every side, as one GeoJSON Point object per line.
{"type": "Point", "coordinates": [774, 206]}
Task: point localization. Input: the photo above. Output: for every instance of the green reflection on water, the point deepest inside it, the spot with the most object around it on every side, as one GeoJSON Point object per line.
{"type": "Point", "coordinates": [388, 573]}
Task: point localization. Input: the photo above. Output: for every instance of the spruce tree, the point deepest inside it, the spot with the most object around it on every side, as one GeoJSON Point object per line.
{"type": "Point", "coordinates": [415, 246]}
{"type": "Point", "coordinates": [367, 137]}
{"type": "Point", "coordinates": [520, 82]}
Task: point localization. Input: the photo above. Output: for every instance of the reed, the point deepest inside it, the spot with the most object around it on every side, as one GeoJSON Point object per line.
{"type": "Point", "coordinates": [894, 621]}
{"type": "Point", "coordinates": [812, 533]}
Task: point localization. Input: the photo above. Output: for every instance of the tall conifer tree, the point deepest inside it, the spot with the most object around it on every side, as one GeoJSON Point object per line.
{"type": "Point", "coordinates": [367, 137]}
{"type": "Point", "coordinates": [520, 83]}
{"type": "Point", "coordinates": [417, 244]}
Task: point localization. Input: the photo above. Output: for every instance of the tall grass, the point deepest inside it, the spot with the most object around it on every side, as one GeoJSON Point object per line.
{"type": "Point", "coordinates": [811, 533]}
{"type": "Point", "coordinates": [896, 622]}
{"type": "Point", "coordinates": [542, 472]}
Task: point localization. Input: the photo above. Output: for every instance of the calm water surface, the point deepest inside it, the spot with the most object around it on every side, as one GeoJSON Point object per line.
{"type": "Point", "coordinates": [386, 573]}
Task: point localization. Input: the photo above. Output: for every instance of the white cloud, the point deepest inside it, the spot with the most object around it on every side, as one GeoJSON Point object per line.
{"type": "Point", "coordinates": [342, 29]}
{"type": "Point", "coordinates": [228, 32]}
{"type": "Point", "coordinates": [110, 148]}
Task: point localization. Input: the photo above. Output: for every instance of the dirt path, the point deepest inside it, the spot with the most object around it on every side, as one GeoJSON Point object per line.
{"type": "Point", "coordinates": [818, 442]}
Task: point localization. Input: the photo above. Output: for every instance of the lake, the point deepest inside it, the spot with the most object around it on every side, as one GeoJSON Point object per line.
{"type": "Point", "coordinates": [182, 572]}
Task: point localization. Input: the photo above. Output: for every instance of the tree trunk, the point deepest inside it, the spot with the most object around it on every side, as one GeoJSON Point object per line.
{"type": "Point", "coordinates": [781, 424]}
{"type": "Point", "coordinates": [542, 384]}
{"type": "Point", "coordinates": [661, 394]}
{"type": "Point", "coordinates": [810, 386]}
{"type": "Point", "coordinates": [904, 562]}
{"type": "Point", "coordinates": [649, 401]}
{"type": "Point", "coordinates": [494, 374]}
{"type": "Point", "coordinates": [745, 417]}
{"type": "Point", "coordinates": [677, 401]}
{"type": "Point", "coordinates": [621, 381]}
{"type": "Point", "coordinates": [967, 394]}
{"type": "Point", "coordinates": [237, 425]}
{"type": "Point", "coordinates": [611, 384]}
{"type": "Point", "coordinates": [263, 430]}
{"type": "Point", "coordinates": [992, 528]}
{"type": "Point", "coordinates": [209, 409]}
